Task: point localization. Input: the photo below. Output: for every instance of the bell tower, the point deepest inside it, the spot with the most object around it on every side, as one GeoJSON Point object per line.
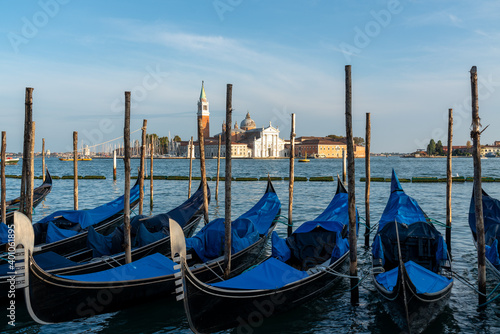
{"type": "Point", "coordinates": [203, 112]}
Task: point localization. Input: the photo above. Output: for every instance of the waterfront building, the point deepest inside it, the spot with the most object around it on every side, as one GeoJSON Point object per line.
{"type": "Point", "coordinates": [203, 112]}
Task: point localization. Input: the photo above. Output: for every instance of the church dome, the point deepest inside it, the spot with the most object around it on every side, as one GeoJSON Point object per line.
{"type": "Point", "coordinates": [247, 123]}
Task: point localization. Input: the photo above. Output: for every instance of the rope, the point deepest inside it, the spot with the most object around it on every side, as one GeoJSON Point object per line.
{"type": "Point", "coordinates": [437, 222]}
{"type": "Point", "coordinates": [208, 267]}
{"type": "Point", "coordinates": [255, 265]}
{"type": "Point", "coordinates": [467, 283]}
{"type": "Point", "coordinates": [282, 222]}
{"type": "Point", "coordinates": [489, 301]}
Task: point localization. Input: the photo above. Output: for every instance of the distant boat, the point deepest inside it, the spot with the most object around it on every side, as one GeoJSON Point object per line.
{"type": "Point", "coordinates": [79, 159]}
{"type": "Point", "coordinates": [305, 159]}
{"type": "Point", "coordinates": [490, 155]}
{"type": "Point", "coordinates": [11, 161]}
{"type": "Point", "coordinates": [319, 156]}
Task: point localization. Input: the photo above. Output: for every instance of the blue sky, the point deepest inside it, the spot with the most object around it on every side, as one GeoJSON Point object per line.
{"type": "Point", "coordinates": [410, 63]}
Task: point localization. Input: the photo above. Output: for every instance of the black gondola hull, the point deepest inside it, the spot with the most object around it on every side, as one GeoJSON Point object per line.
{"type": "Point", "coordinates": [84, 299]}
{"type": "Point", "coordinates": [422, 307]}
{"type": "Point", "coordinates": [213, 309]}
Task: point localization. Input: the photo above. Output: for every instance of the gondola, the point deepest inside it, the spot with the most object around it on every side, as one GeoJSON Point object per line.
{"type": "Point", "coordinates": [60, 239]}
{"type": "Point", "coordinates": [39, 194]}
{"type": "Point", "coordinates": [411, 265]}
{"type": "Point", "coordinates": [491, 219]}
{"type": "Point", "coordinates": [301, 267]}
{"type": "Point", "coordinates": [55, 298]}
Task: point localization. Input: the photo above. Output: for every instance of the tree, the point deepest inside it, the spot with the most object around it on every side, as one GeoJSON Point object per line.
{"type": "Point", "coordinates": [163, 145]}
{"type": "Point", "coordinates": [177, 138]}
{"type": "Point", "coordinates": [431, 148]}
{"type": "Point", "coordinates": [356, 140]}
{"type": "Point", "coordinates": [359, 141]}
{"type": "Point", "coordinates": [469, 145]}
{"type": "Point", "coordinates": [439, 148]}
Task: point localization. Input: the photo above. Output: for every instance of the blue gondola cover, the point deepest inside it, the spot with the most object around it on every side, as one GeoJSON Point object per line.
{"type": "Point", "coordinates": [154, 265]}
{"type": "Point", "coordinates": [271, 274]}
{"type": "Point", "coordinates": [341, 247]}
{"type": "Point", "coordinates": [280, 249]}
{"type": "Point", "coordinates": [424, 280]}
{"type": "Point", "coordinates": [88, 218]}
{"type": "Point", "coordinates": [378, 249]}
{"type": "Point", "coordinates": [400, 207]}
{"type": "Point", "coordinates": [492, 253]}
{"type": "Point", "coordinates": [55, 234]}
{"type": "Point", "coordinates": [208, 243]}
{"type": "Point", "coordinates": [4, 233]}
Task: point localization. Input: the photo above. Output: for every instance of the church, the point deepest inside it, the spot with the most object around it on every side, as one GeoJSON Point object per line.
{"type": "Point", "coordinates": [248, 141]}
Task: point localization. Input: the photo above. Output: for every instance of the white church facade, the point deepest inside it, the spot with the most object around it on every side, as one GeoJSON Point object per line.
{"type": "Point", "coordinates": [248, 141]}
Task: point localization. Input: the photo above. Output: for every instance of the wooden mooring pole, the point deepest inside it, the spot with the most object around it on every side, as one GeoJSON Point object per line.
{"type": "Point", "coordinates": [26, 205]}
{"type": "Point", "coordinates": [151, 152]}
{"type": "Point", "coordinates": [291, 178]}
{"type": "Point", "coordinates": [143, 165]}
{"type": "Point", "coordinates": [201, 143]}
{"type": "Point", "coordinates": [43, 159]}
{"type": "Point", "coordinates": [449, 180]}
{"type": "Point", "coordinates": [218, 171]}
{"type": "Point", "coordinates": [227, 182]}
{"type": "Point", "coordinates": [344, 166]}
{"type": "Point", "coordinates": [353, 267]}
{"type": "Point", "coordinates": [126, 160]}
{"type": "Point", "coordinates": [368, 137]}
{"type": "Point", "coordinates": [114, 165]}
{"type": "Point", "coordinates": [75, 170]}
{"type": "Point", "coordinates": [31, 183]}
{"type": "Point", "coordinates": [191, 153]}
{"type": "Point", "coordinates": [478, 198]}
{"type": "Point", "coordinates": [3, 203]}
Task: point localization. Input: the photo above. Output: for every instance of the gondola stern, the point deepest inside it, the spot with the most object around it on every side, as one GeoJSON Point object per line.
{"type": "Point", "coordinates": [48, 178]}
{"type": "Point", "coordinates": [179, 255]}
{"type": "Point", "coordinates": [395, 184]}
{"type": "Point", "coordinates": [340, 186]}
{"type": "Point", "coordinates": [24, 240]}
{"type": "Point", "coordinates": [270, 187]}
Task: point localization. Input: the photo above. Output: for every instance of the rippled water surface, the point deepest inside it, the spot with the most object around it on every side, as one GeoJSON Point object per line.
{"type": "Point", "coordinates": [331, 313]}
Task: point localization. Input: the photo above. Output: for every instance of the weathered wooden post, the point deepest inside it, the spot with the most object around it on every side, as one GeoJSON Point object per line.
{"type": "Point", "coordinates": [32, 171]}
{"type": "Point", "coordinates": [126, 160]}
{"type": "Point", "coordinates": [478, 196]}
{"type": "Point", "coordinates": [368, 175]}
{"type": "Point", "coordinates": [151, 151]}
{"type": "Point", "coordinates": [343, 166]}
{"type": "Point", "coordinates": [227, 182]}
{"type": "Point", "coordinates": [26, 178]}
{"type": "Point", "coordinates": [201, 143]}
{"type": "Point", "coordinates": [191, 153]}
{"type": "Point", "coordinates": [43, 159]}
{"type": "Point", "coordinates": [218, 171]}
{"type": "Point", "coordinates": [449, 180]}
{"type": "Point", "coordinates": [141, 173]}
{"type": "Point", "coordinates": [3, 203]}
{"type": "Point", "coordinates": [353, 267]}
{"type": "Point", "coordinates": [292, 176]}
{"type": "Point", "coordinates": [114, 165]}
{"type": "Point", "coordinates": [75, 170]}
